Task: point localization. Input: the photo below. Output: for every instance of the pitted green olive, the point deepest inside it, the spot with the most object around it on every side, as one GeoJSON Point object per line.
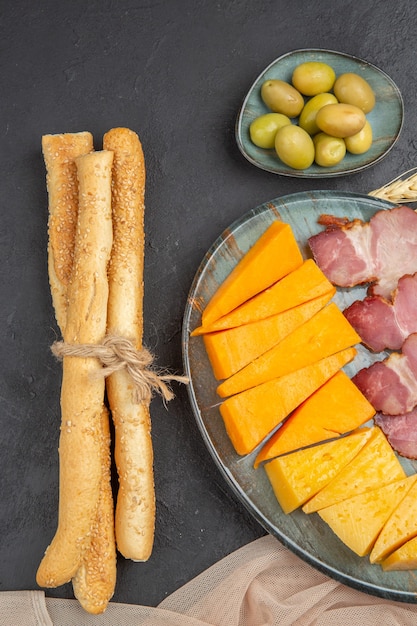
{"type": "Point", "coordinates": [361, 142]}
{"type": "Point", "coordinates": [340, 120]}
{"type": "Point", "coordinates": [307, 119]}
{"type": "Point", "coordinates": [351, 88]}
{"type": "Point", "coordinates": [328, 150]}
{"type": "Point", "coordinates": [313, 77]}
{"type": "Point", "coordinates": [263, 129]}
{"type": "Point", "coordinates": [295, 147]}
{"type": "Point", "coordinates": [281, 97]}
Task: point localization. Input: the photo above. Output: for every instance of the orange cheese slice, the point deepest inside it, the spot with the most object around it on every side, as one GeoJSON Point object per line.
{"type": "Point", "coordinates": [326, 333]}
{"type": "Point", "coordinates": [336, 408]}
{"type": "Point", "coordinates": [357, 521]}
{"type": "Point", "coordinates": [404, 558]}
{"type": "Point", "coordinates": [304, 283]}
{"type": "Point", "coordinates": [296, 477]}
{"type": "Point", "coordinates": [230, 350]}
{"type": "Point", "coordinates": [253, 414]}
{"type": "Point", "coordinates": [376, 465]}
{"type": "Point", "coordinates": [400, 527]}
{"type": "Point", "coordinates": [274, 254]}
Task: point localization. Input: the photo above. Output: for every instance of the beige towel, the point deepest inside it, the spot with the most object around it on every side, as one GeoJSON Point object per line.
{"type": "Point", "coordinates": [261, 584]}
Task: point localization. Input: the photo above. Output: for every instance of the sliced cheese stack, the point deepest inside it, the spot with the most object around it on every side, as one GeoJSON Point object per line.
{"type": "Point", "coordinates": [297, 477]}
{"type": "Point", "coordinates": [357, 486]}
{"type": "Point", "coordinates": [376, 465]}
{"type": "Point", "coordinates": [250, 416]}
{"type": "Point", "coordinates": [232, 349]}
{"type": "Point", "coordinates": [380, 521]}
{"type": "Point", "coordinates": [357, 521]}
{"type": "Point", "coordinates": [273, 255]}
{"type": "Point", "coordinates": [277, 347]}
{"type": "Point", "coordinates": [303, 284]}
{"type": "Point", "coordinates": [337, 407]}
{"type": "Point", "coordinates": [404, 558]}
{"type": "Point", "coordinates": [400, 528]}
{"type": "Point", "coordinates": [324, 334]}
{"type": "Point", "coordinates": [359, 500]}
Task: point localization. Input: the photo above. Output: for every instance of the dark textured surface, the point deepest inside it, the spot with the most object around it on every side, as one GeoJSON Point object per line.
{"type": "Point", "coordinates": [176, 72]}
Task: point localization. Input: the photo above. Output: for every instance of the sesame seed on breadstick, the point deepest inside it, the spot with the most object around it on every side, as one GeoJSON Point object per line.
{"type": "Point", "coordinates": [60, 152]}
{"type": "Point", "coordinates": [95, 579]}
{"type": "Point", "coordinates": [82, 391]}
{"type": "Point", "coordinates": [135, 508]}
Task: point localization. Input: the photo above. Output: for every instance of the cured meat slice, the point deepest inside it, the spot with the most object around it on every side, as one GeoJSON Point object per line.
{"type": "Point", "coordinates": [384, 324]}
{"type": "Point", "coordinates": [401, 432]}
{"type": "Point", "coordinates": [341, 252]}
{"type": "Point", "coordinates": [391, 385]}
{"type": "Point", "coordinates": [378, 252]}
{"type": "Point", "coordinates": [374, 320]}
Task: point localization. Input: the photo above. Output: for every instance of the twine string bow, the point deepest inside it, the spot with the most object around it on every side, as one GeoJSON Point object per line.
{"type": "Point", "coordinates": [116, 353]}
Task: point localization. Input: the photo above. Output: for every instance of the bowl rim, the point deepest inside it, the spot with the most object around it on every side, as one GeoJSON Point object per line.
{"type": "Point", "coordinates": [328, 173]}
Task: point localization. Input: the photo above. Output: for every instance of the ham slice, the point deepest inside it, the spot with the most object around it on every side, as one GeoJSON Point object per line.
{"type": "Point", "coordinates": [401, 432]}
{"type": "Point", "coordinates": [391, 385]}
{"type": "Point", "coordinates": [384, 324]}
{"type": "Point", "coordinates": [378, 252]}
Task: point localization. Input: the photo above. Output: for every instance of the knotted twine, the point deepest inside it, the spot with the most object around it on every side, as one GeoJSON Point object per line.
{"type": "Point", "coordinates": [116, 353]}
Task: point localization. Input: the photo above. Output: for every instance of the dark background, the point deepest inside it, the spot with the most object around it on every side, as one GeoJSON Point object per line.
{"type": "Point", "coordinates": [175, 72]}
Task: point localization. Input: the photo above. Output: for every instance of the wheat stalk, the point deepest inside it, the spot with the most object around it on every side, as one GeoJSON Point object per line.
{"type": "Point", "coordinates": [400, 189]}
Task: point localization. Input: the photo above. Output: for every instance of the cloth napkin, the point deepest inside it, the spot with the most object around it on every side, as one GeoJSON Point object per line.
{"type": "Point", "coordinates": [261, 584]}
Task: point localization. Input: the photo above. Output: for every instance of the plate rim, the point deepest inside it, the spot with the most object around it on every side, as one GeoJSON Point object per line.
{"type": "Point", "coordinates": [325, 173]}
{"type": "Point", "coordinates": [364, 586]}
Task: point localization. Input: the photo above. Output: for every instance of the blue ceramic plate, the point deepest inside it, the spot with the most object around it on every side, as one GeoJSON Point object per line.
{"type": "Point", "coordinates": [386, 118]}
{"type": "Point", "coordinates": [306, 535]}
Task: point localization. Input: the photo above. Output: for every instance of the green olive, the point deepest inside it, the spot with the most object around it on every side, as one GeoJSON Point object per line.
{"type": "Point", "coordinates": [351, 88]}
{"type": "Point", "coordinates": [263, 129]}
{"type": "Point", "coordinates": [281, 97]}
{"type": "Point", "coordinates": [340, 120]}
{"type": "Point", "coordinates": [307, 119]}
{"type": "Point", "coordinates": [313, 77]}
{"type": "Point", "coordinates": [328, 150]}
{"type": "Point", "coordinates": [295, 147]}
{"type": "Point", "coordinates": [361, 142]}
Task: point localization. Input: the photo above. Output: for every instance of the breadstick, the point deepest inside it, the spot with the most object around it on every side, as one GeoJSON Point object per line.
{"type": "Point", "coordinates": [82, 389]}
{"type": "Point", "coordinates": [95, 579]}
{"type": "Point", "coordinates": [135, 508]}
{"type": "Point", "coordinates": [60, 152]}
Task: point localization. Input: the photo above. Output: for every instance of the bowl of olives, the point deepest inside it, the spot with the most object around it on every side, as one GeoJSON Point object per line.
{"type": "Point", "coordinates": [316, 113]}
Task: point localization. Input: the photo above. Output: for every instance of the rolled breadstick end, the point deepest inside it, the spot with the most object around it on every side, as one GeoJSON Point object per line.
{"type": "Point", "coordinates": [59, 153]}
{"type": "Point", "coordinates": [135, 508]}
{"type": "Point", "coordinates": [125, 311]}
{"type": "Point", "coordinates": [82, 391]}
{"type": "Point", "coordinates": [95, 580]}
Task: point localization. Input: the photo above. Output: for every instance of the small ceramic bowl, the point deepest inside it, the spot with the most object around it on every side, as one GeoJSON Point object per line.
{"type": "Point", "coordinates": [386, 118]}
